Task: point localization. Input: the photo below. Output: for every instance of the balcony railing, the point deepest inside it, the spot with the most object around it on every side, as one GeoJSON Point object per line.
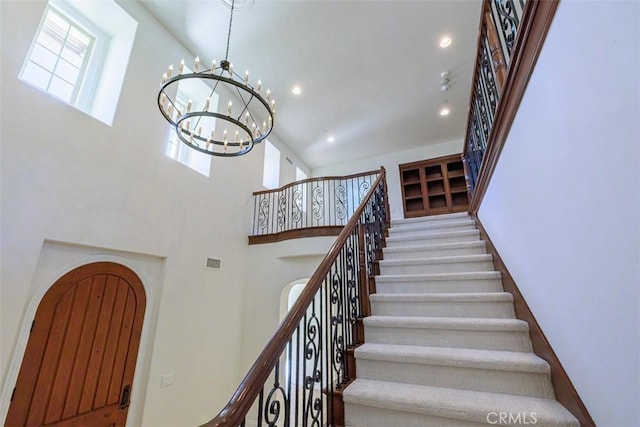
{"type": "Point", "coordinates": [311, 207]}
{"type": "Point", "coordinates": [298, 377]}
{"type": "Point", "coordinates": [499, 24]}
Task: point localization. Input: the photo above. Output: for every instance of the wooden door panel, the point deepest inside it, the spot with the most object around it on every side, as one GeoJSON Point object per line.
{"type": "Point", "coordinates": [81, 362]}
{"type": "Point", "coordinates": [82, 350]}
{"type": "Point", "coordinates": [124, 342]}
{"type": "Point", "coordinates": [103, 417]}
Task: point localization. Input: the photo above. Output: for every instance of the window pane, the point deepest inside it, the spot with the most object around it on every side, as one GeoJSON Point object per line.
{"type": "Point", "coordinates": [36, 75]}
{"type": "Point", "coordinates": [72, 56]}
{"type": "Point", "coordinates": [50, 41]}
{"type": "Point", "coordinates": [271, 171]}
{"type": "Point", "coordinates": [54, 31]}
{"type": "Point", "coordinates": [78, 40]}
{"type": "Point", "coordinates": [43, 57]}
{"type": "Point", "coordinates": [61, 89]}
{"type": "Point", "coordinates": [67, 71]}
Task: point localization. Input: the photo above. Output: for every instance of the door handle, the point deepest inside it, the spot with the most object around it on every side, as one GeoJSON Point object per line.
{"type": "Point", "coordinates": [126, 397]}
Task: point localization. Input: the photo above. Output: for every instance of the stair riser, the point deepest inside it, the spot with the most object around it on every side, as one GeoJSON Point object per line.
{"type": "Point", "coordinates": [451, 267]}
{"type": "Point", "coordinates": [430, 240]}
{"type": "Point", "coordinates": [467, 378]}
{"type": "Point", "coordinates": [444, 228]}
{"type": "Point", "coordinates": [425, 253]}
{"type": "Point", "coordinates": [442, 286]}
{"type": "Point", "coordinates": [367, 416]}
{"type": "Point", "coordinates": [486, 340]}
{"type": "Point", "coordinates": [501, 309]}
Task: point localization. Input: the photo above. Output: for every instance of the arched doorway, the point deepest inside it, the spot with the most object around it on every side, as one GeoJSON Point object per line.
{"type": "Point", "coordinates": [80, 358]}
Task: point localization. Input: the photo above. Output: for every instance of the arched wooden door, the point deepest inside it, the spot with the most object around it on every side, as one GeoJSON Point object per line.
{"type": "Point", "coordinates": [81, 355]}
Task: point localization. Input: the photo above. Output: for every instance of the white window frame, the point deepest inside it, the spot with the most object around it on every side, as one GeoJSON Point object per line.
{"type": "Point", "coordinates": [89, 75]}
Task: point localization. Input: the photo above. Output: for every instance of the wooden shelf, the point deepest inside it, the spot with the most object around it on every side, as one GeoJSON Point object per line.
{"type": "Point", "coordinates": [434, 186]}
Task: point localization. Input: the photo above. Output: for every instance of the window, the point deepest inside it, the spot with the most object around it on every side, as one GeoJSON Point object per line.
{"type": "Point", "coordinates": [80, 53]}
{"type": "Point", "coordinates": [59, 56]}
{"type": "Point", "coordinates": [176, 149]}
{"type": "Point", "coordinates": [271, 172]}
{"type": "Point", "coordinates": [300, 175]}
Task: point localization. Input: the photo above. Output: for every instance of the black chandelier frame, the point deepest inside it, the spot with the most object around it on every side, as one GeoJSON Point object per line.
{"type": "Point", "coordinates": [201, 142]}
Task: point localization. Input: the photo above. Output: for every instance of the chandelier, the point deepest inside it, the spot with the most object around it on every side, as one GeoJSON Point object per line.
{"type": "Point", "coordinates": [204, 121]}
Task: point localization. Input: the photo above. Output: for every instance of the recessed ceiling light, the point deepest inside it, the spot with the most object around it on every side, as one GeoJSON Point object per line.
{"type": "Point", "coordinates": [296, 90]}
{"type": "Point", "coordinates": [445, 41]}
{"type": "Point", "coordinates": [444, 111]}
{"type": "Point", "coordinates": [331, 139]}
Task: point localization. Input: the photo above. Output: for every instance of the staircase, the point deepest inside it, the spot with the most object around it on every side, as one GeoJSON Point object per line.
{"type": "Point", "coordinates": [442, 346]}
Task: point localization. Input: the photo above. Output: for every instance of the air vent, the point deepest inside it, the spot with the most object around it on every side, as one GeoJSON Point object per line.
{"type": "Point", "coordinates": [213, 264]}
{"type": "Point", "coordinates": [289, 160]}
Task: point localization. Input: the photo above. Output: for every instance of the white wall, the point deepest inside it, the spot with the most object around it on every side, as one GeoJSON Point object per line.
{"type": "Point", "coordinates": [391, 162]}
{"type": "Point", "coordinates": [563, 205]}
{"type": "Point", "coordinates": [69, 178]}
{"type": "Point", "coordinates": [273, 267]}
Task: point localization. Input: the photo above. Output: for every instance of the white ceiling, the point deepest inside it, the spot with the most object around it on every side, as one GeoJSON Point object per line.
{"type": "Point", "coordinates": [369, 70]}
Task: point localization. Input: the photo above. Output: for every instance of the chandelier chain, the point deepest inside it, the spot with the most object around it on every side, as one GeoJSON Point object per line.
{"type": "Point", "coordinates": [226, 55]}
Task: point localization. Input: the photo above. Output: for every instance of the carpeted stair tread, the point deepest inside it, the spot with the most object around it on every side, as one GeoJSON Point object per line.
{"type": "Point", "coordinates": [461, 323]}
{"type": "Point", "coordinates": [458, 357]}
{"type": "Point", "coordinates": [437, 260]}
{"type": "Point", "coordinates": [407, 228]}
{"type": "Point", "coordinates": [445, 297]}
{"type": "Point", "coordinates": [433, 236]}
{"type": "Point", "coordinates": [434, 247]}
{"type": "Point", "coordinates": [464, 405]}
{"type": "Point", "coordinates": [429, 219]}
{"type": "Point", "coordinates": [425, 277]}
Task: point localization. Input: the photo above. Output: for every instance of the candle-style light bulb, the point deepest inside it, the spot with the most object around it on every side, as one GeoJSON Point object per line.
{"type": "Point", "coordinates": [229, 105]}
{"type": "Point", "coordinates": [163, 99]}
{"type": "Point", "coordinates": [170, 111]}
{"type": "Point", "coordinates": [170, 71]}
{"type": "Point", "coordinates": [231, 70]}
{"type": "Point", "coordinates": [237, 136]}
{"type": "Point", "coordinates": [224, 136]}
{"type": "Point", "coordinates": [270, 123]}
{"type": "Point", "coordinates": [246, 119]}
{"type": "Point", "coordinates": [213, 66]}
{"type": "Point", "coordinates": [164, 78]}
{"type": "Point", "coordinates": [206, 103]}
{"type": "Point", "coordinates": [181, 67]}
{"type": "Point", "coordinates": [268, 94]}
{"type": "Point", "coordinates": [273, 105]}
{"type": "Point", "coordinates": [189, 105]}
{"type": "Point", "coordinates": [196, 64]}
{"type": "Point", "coordinates": [199, 130]}
{"type": "Point", "coordinates": [246, 77]}
{"type": "Point", "coordinates": [259, 85]}
{"type": "Point", "coordinates": [213, 135]}
{"type": "Point", "coordinates": [264, 127]}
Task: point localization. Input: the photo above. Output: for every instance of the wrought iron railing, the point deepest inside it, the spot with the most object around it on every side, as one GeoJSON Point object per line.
{"type": "Point", "coordinates": [499, 24]}
{"type": "Point", "coordinates": [298, 377]}
{"type": "Point", "coordinates": [315, 206]}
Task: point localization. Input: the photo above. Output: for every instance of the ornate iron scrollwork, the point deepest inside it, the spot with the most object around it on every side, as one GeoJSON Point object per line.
{"type": "Point", "coordinates": [317, 203]}
{"type": "Point", "coordinates": [341, 202]}
{"type": "Point", "coordinates": [263, 214]}
{"type": "Point", "coordinates": [282, 210]}
{"type": "Point", "coordinates": [296, 208]}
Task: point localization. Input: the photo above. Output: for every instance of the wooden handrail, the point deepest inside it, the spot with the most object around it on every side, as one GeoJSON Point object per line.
{"type": "Point", "coordinates": [322, 178]}
{"type": "Point", "coordinates": [240, 403]}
